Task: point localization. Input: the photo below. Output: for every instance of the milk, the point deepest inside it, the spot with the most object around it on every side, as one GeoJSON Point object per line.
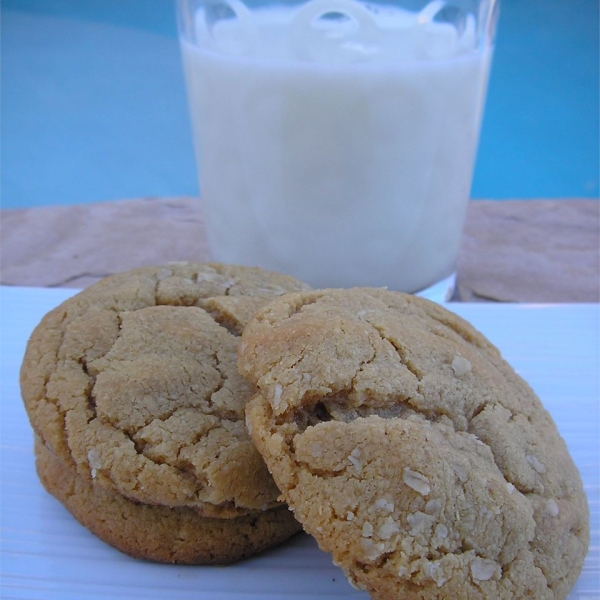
{"type": "Point", "coordinates": [339, 163]}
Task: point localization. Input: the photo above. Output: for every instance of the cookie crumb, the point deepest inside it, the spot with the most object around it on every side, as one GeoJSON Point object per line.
{"type": "Point", "coordinates": [388, 529]}
{"type": "Point", "coordinates": [436, 572]}
{"type": "Point", "coordinates": [372, 549]}
{"type": "Point", "coordinates": [483, 569]}
{"type": "Point", "coordinates": [433, 506]}
{"type": "Point", "coordinates": [367, 530]}
{"type": "Point", "coordinates": [535, 462]}
{"type": "Point", "coordinates": [349, 516]}
{"type": "Point", "coordinates": [316, 450]}
{"type": "Point", "coordinates": [274, 290]}
{"type": "Point", "coordinates": [354, 458]}
{"type": "Point", "coordinates": [417, 521]}
{"type": "Point", "coordinates": [461, 366]}
{"type": "Point", "coordinates": [94, 461]}
{"type": "Point", "coordinates": [355, 584]}
{"type": "Point", "coordinates": [441, 531]}
{"type": "Point", "coordinates": [277, 396]}
{"type": "Point", "coordinates": [385, 505]}
{"type": "Point", "coordinates": [552, 507]}
{"type": "Point", "coordinates": [416, 481]}
{"type": "Point", "coordinates": [461, 473]}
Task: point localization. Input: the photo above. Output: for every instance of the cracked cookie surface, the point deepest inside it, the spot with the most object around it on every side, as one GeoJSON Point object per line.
{"type": "Point", "coordinates": [133, 383]}
{"type": "Point", "coordinates": [158, 533]}
{"type": "Point", "coordinates": [411, 450]}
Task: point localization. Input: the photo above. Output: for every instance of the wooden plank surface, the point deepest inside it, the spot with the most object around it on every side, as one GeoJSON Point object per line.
{"type": "Point", "coordinates": [512, 251]}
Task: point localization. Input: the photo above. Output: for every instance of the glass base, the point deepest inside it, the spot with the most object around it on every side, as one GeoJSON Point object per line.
{"type": "Point", "coordinates": [440, 291]}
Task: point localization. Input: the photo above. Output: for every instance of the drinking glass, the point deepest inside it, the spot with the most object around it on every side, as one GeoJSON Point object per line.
{"type": "Point", "coordinates": [336, 139]}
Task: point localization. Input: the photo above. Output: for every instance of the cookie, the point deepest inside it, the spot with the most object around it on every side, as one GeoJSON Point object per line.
{"type": "Point", "coordinates": [158, 533]}
{"type": "Point", "coordinates": [133, 383]}
{"type": "Point", "coordinates": [411, 450]}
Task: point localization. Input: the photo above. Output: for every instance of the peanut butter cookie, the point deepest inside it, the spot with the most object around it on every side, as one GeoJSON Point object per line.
{"type": "Point", "coordinates": [158, 533]}
{"type": "Point", "coordinates": [133, 384]}
{"type": "Point", "coordinates": [411, 450]}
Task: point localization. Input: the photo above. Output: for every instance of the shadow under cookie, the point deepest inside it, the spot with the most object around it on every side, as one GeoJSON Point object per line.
{"type": "Point", "coordinates": [160, 533]}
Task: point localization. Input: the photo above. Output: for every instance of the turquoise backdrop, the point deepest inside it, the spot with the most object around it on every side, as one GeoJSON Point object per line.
{"type": "Point", "coordinates": [93, 103]}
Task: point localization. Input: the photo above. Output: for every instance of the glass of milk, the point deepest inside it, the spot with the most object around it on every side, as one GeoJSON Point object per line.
{"type": "Point", "coordinates": [336, 139]}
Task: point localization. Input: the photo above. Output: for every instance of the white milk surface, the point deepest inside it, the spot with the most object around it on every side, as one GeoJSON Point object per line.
{"type": "Point", "coordinates": [338, 151]}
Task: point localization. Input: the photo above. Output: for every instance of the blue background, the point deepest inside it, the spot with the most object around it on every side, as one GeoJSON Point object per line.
{"type": "Point", "coordinates": [94, 108]}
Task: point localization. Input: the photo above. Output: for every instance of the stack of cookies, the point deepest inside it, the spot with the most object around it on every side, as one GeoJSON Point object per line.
{"type": "Point", "coordinates": [133, 392]}
{"type": "Point", "coordinates": [394, 431]}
